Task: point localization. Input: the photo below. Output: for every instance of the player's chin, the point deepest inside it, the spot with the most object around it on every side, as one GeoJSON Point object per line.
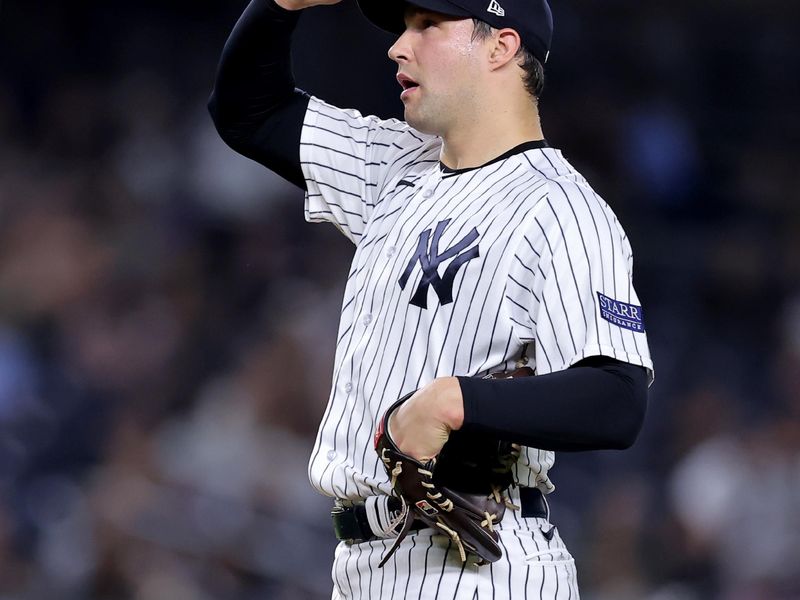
{"type": "Point", "coordinates": [418, 121]}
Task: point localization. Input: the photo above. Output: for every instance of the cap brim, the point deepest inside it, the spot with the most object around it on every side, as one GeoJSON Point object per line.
{"type": "Point", "coordinates": [389, 15]}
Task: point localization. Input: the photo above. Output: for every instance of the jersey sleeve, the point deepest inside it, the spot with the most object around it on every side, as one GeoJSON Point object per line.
{"type": "Point", "coordinates": [347, 159]}
{"type": "Point", "coordinates": [571, 284]}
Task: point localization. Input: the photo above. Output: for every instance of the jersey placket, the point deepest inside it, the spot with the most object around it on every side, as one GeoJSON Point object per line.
{"type": "Point", "coordinates": [372, 283]}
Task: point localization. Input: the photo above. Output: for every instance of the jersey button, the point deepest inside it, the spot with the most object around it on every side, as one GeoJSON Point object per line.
{"type": "Point", "coordinates": [427, 193]}
{"type": "Point", "coordinates": [390, 251]}
{"type": "Point", "coordinates": [331, 454]}
{"type": "Point", "coordinates": [348, 387]}
{"type": "Point", "coordinates": [367, 319]}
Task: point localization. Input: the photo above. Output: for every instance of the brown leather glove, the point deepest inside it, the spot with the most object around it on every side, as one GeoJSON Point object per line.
{"type": "Point", "coordinates": [460, 493]}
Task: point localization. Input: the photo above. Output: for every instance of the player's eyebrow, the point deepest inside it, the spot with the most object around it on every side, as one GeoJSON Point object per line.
{"type": "Point", "coordinates": [413, 12]}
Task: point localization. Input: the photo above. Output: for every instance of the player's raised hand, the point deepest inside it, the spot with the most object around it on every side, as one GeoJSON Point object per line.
{"type": "Point", "coordinates": [422, 425]}
{"type": "Point", "coordinates": [300, 4]}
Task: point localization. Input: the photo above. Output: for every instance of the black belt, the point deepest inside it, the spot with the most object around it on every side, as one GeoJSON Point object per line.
{"type": "Point", "coordinates": [350, 522]}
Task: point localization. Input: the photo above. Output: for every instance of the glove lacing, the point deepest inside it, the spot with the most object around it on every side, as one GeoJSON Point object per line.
{"type": "Point", "coordinates": [407, 518]}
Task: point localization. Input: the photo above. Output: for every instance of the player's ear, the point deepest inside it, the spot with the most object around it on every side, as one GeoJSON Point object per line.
{"type": "Point", "coordinates": [504, 49]}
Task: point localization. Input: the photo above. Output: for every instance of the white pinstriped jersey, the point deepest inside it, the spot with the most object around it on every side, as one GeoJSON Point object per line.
{"type": "Point", "coordinates": [455, 273]}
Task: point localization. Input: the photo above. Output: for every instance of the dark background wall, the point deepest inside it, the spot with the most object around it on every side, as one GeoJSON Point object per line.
{"type": "Point", "coordinates": [167, 319]}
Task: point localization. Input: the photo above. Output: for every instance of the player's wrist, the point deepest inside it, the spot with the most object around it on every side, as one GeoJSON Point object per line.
{"type": "Point", "coordinates": [451, 403]}
{"type": "Point", "coordinates": [293, 5]}
{"type": "Point", "coordinates": [287, 5]}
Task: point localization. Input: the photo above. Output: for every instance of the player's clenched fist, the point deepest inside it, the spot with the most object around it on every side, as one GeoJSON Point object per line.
{"type": "Point", "coordinates": [300, 4]}
{"type": "Point", "coordinates": [422, 425]}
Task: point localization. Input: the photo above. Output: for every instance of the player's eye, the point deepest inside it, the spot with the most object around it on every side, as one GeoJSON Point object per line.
{"type": "Point", "coordinates": [428, 23]}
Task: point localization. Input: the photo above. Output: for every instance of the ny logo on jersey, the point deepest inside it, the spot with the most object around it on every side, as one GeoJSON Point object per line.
{"type": "Point", "coordinates": [430, 259]}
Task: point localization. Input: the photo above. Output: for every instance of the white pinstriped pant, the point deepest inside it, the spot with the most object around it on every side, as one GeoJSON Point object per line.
{"type": "Point", "coordinates": [427, 567]}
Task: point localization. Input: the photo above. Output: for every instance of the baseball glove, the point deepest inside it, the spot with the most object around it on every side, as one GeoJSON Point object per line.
{"type": "Point", "coordinates": [461, 492]}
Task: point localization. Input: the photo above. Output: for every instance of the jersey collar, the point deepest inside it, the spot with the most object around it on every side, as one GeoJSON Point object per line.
{"type": "Point", "coordinates": [523, 147]}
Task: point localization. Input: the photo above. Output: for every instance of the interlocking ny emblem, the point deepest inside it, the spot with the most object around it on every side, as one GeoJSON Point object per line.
{"type": "Point", "coordinates": [430, 259]}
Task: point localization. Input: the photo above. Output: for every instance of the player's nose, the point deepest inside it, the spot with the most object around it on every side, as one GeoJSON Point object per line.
{"type": "Point", "coordinates": [400, 51]}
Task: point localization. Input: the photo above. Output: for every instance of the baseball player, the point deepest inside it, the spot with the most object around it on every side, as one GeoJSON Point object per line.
{"type": "Point", "coordinates": [478, 248]}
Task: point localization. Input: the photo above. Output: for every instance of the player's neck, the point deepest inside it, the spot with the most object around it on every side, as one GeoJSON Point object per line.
{"type": "Point", "coordinates": [477, 141]}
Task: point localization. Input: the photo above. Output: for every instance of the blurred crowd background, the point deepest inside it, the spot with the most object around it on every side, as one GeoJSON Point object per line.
{"type": "Point", "coordinates": [167, 319]}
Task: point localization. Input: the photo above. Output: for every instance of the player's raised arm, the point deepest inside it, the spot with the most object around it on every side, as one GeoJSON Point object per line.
{"type": "Point", "coordinates": [346, 162]}
{"type": "Point", "coordinates": [254, 105]}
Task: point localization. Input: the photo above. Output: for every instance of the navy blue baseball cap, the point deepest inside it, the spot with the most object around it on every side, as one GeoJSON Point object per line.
{"type": "Point", "coordinates": [532, 19]}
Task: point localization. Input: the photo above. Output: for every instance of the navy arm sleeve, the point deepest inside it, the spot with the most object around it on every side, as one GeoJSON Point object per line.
{"type": "Point", "coordinates": [255, 106]}
{"type": "Point", "coordinates": [599, 403]}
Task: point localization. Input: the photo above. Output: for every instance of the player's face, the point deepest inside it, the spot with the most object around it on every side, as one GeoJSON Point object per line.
{"type": "Point", "coordinates": [438, 68]}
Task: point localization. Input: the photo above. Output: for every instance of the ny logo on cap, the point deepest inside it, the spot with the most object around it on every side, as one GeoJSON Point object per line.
{"type": "Point", "coordinates": [494, 7]}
